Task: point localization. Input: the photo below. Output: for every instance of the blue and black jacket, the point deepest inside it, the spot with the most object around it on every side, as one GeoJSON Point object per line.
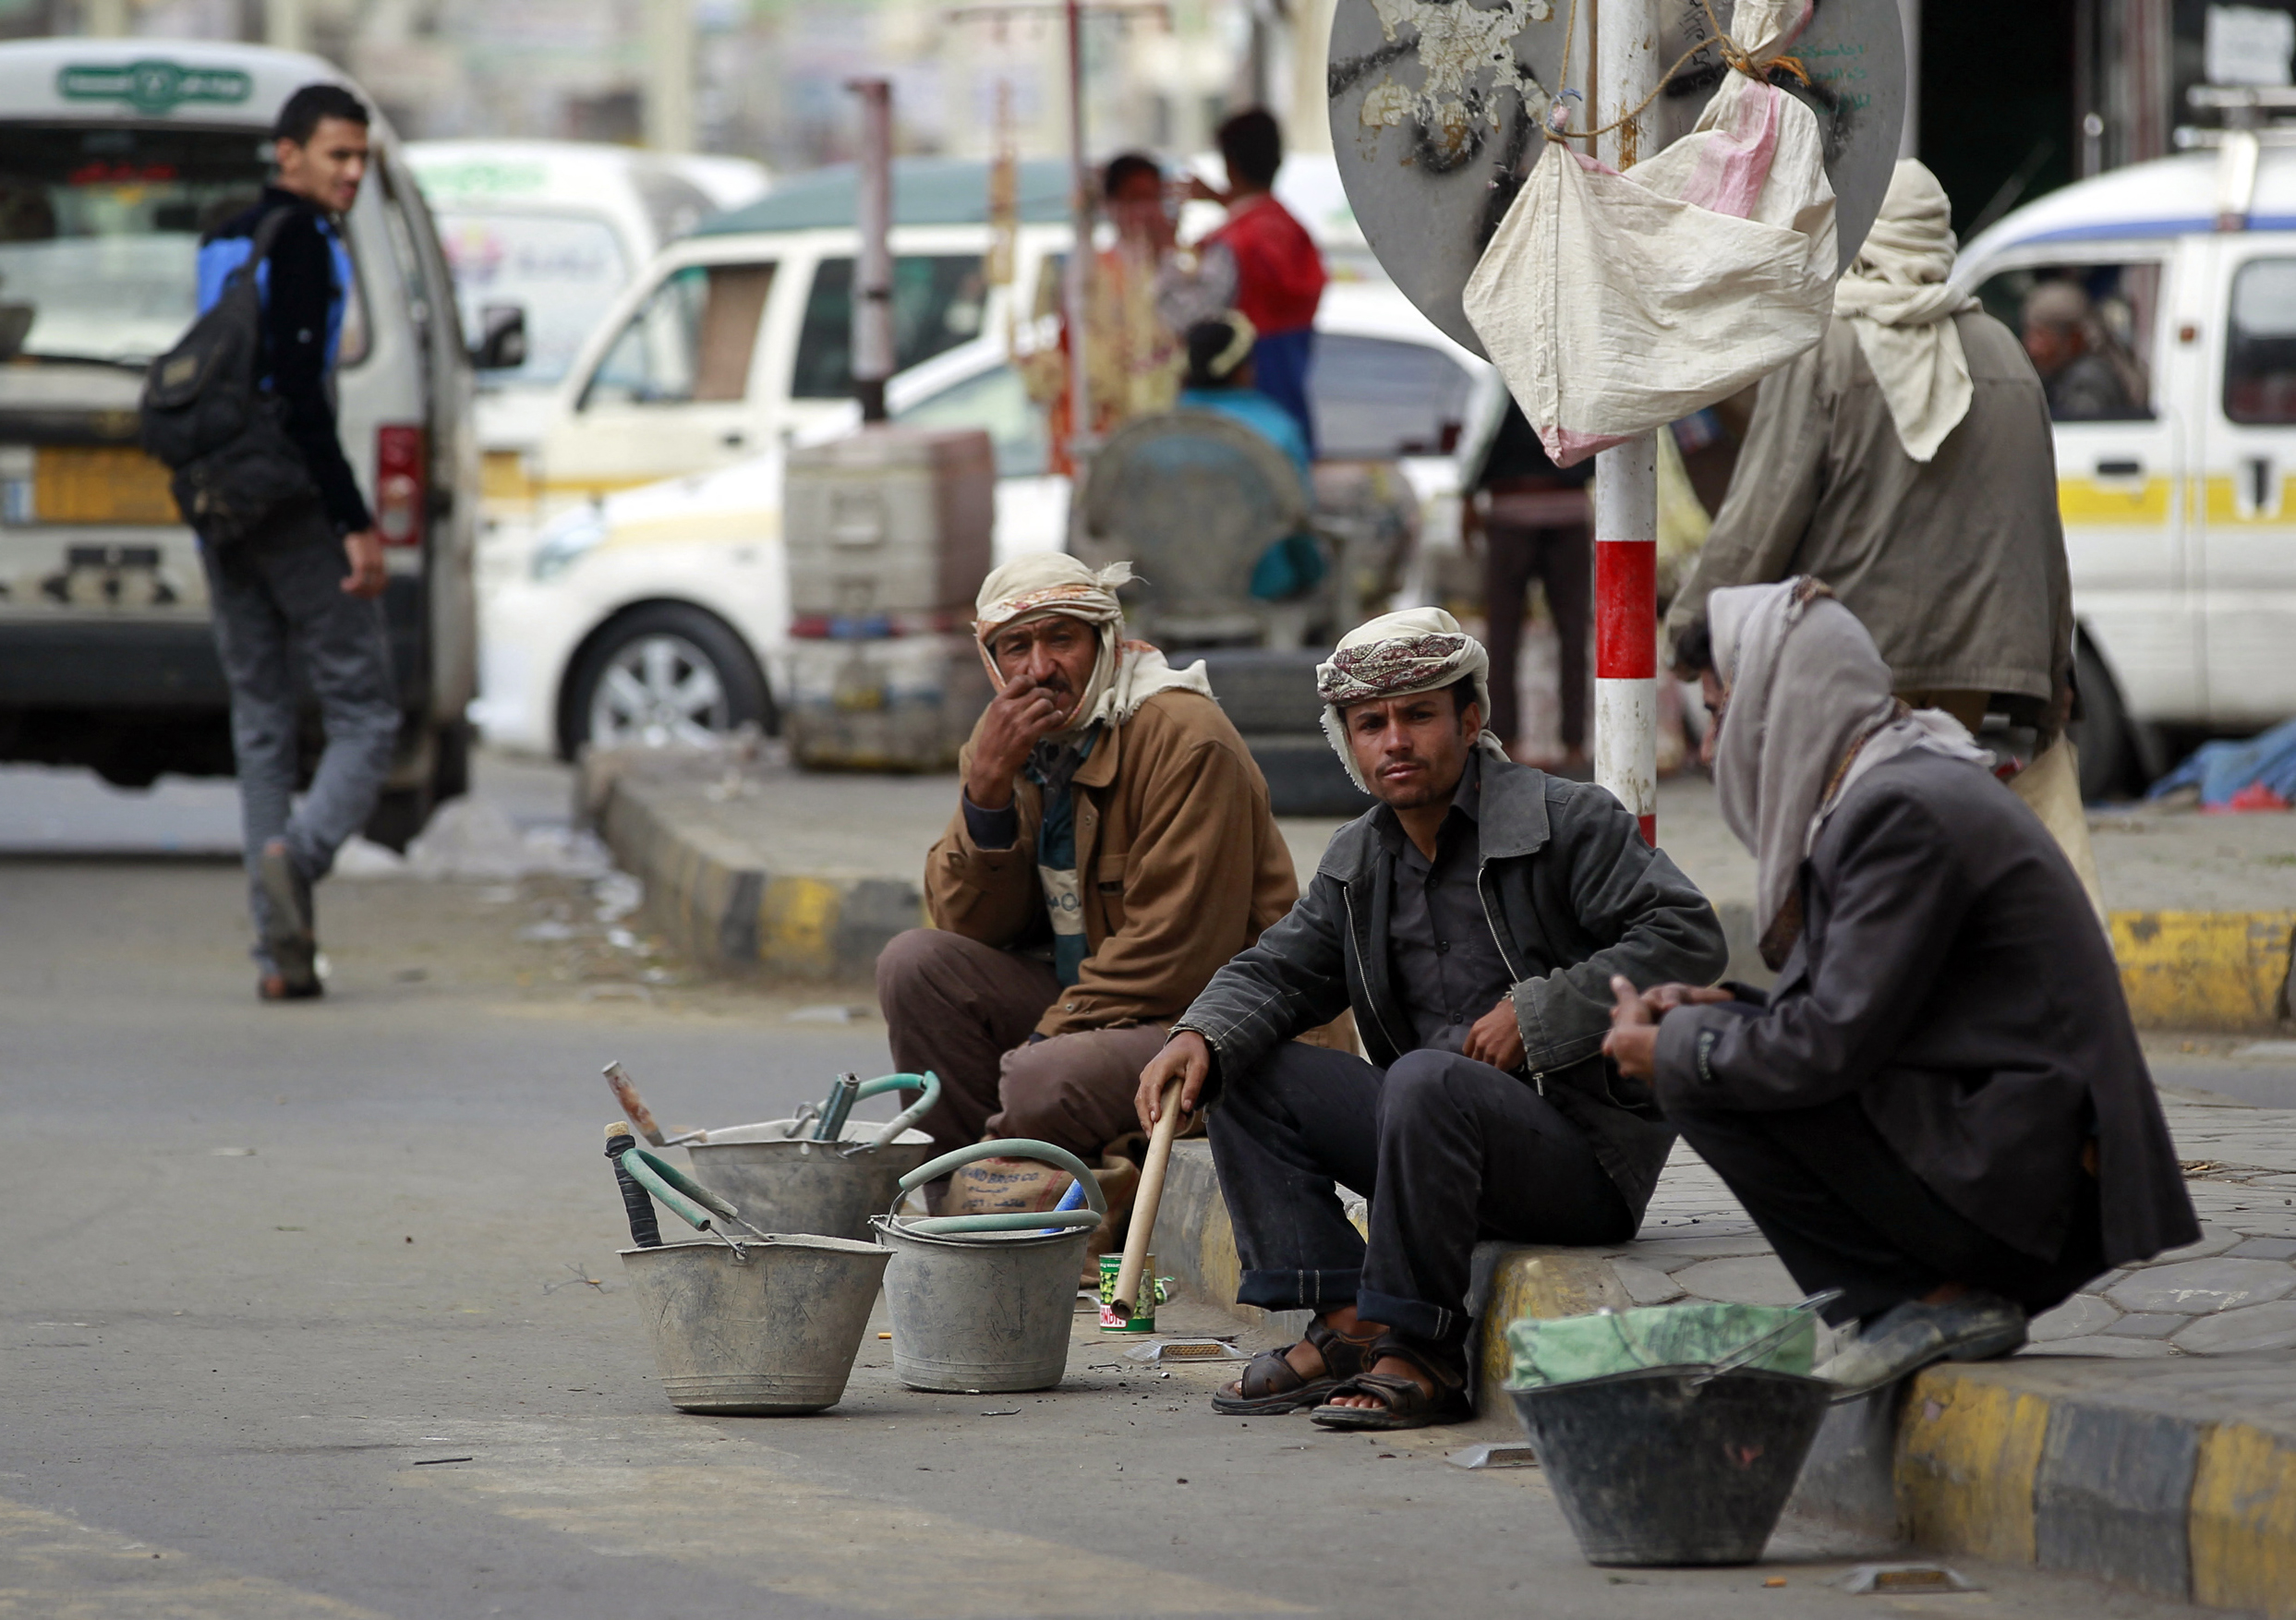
{"type": "Point", "coordinates": [306, 286]}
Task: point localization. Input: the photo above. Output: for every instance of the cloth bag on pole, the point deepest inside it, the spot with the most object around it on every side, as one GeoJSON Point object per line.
{"type": "Point", "coordinates": [1615, 303]}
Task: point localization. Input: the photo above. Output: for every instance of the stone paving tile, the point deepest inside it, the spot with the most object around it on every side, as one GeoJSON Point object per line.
{"type": "Point", "coordinates": [2077, 1318]}
{"type": "Point", "coordinates": [1754, 1279]}
{"type": "Point", "coordinates": [1646, 1284]}
{"type": "Point", "coordinates": [2127, 1350]}
{"type": "Point", "coordinates": [2264, 1249]}
{"type": "Point", "coordinates": [2193, 1288]}
{"type": "Point", "coordinates": [2260, 1327]}
{"type": "Point", "coordinates": [2148, 1325]}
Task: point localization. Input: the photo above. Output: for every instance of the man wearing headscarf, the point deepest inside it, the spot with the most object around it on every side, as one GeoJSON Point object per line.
{"type": "Point", "coordinates": [1473, 921]}
{"type": "Point", "coordinates": [1907, 461]}
{"type": "Point", "coordinates": [1941, 1108]}
{"type": "Point", "coordinates": [1111, 847]}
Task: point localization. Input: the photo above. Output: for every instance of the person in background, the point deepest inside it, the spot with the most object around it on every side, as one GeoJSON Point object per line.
{"type": "Point", "coordinates": [1262, 263]}
{"type": "Point", "coordinates": [1473, 921]}
{"type": "Point", "coordinates": [2082, 385]}
{"type": "Point", "coordinates": [1112, 846]}
{"type": "Point", "coordinates": [306, 584]}
{"type": "Point", "coordinates": [1134, 358]}
{"type": "Point", "coordinates": [1534, 521]}
{"type": "Point", "coordinates": [1222, 377]}
{"type": "Point", "coordinates": [1941, 1108]}
{"type": "Point", "coordinates": [1907, 461]}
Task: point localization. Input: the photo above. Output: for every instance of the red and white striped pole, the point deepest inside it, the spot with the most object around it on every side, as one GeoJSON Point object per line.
{"type": "Point", "coordinates": [1626, 479]}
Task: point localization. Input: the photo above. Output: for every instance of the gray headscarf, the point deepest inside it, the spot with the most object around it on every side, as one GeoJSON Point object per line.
{"type": "Point", "coordinates": [1810, 712]}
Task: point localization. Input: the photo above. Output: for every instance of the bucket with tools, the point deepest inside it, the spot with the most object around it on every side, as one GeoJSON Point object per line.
{"type": "Point", "coordinates": [986, 1303]}
{"type": "Point", "coordinates": [1673, 1435]}
{"type": "Point", "coordinates": [761, 1323]}
{"type": "Point", "coordinates": [820, 1171]}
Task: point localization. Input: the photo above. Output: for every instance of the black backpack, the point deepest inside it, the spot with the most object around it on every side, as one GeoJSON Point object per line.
{"type": "Point", "coordinates": [206, 415]}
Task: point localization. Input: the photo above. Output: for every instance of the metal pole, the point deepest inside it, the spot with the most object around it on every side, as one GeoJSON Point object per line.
{"type": "Point", "coordinates": [669, 107]}
{"type": "Point", "coordinates": [1626, 479]}
{"type": "Point", "coordinates": [1909, 18]}
{"type": "Point", "coordinates": [1076, 283]}
{"type": "Point", "coordinates": [873, 272]}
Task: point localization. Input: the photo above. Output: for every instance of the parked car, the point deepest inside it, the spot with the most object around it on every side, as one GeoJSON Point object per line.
{"type": "Point", "coordinates": [2175, 480]}
{"type": "Point", "coordinates": [549, 232]}
{"type": "Point", "coordinates": [660, 613]}
{"type": "Point", "coordinates": [115, 155]}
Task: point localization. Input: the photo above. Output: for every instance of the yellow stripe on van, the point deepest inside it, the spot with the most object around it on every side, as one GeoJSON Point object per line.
{"type": "Point", "coordinates": [2219, 500]}
{"type": "Point", "coordinates": [2119, 500]}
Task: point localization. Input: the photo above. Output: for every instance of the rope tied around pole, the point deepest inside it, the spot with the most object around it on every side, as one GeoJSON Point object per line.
{"type": "Point", "coordinates": [1733, 55]}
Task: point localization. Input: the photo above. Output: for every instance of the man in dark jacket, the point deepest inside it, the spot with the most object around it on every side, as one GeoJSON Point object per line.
{"type": "Point", "coordinates": [1473, 921]}
{"type": "Point", "coordinates": [1941, 1108]}
{"type": "Point", "coordinates": [308, 580]}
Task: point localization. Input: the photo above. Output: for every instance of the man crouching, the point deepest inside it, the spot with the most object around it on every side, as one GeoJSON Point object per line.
{"type": "Point", "coordinates": [1112, 848]}
{"type": "Point", "coordinates": [1472, 921]}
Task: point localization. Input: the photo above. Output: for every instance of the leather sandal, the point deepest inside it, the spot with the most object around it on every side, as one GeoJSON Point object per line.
{"type": "Point", "coordinates": [1271, 1385]}
{"type": "Point", "coordinates": [1404, 1403]}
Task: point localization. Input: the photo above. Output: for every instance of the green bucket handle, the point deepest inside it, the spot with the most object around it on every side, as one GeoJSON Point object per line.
{"type": "Point", "coordinates": [1012, 1147]}
{"type": "Point", "coordinates": [662, 1183]}
{"type": "Point", "coordinates": [929, 1081]}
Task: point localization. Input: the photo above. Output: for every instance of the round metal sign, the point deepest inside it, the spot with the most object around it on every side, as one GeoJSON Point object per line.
{"type": "Point", "coordinates": [1436, 108]}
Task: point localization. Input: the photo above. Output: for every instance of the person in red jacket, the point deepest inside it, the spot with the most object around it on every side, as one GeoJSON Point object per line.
{"type": "Point", "coordinates": [1262, 263]}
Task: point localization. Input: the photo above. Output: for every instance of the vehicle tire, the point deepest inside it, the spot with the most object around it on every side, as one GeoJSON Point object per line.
{"type": "Point", "coordinates": [450, 777]}
{"type": "Point", "coordinates": [665, 673]}
{"type": "Point", "coordinates": [2107, 753]}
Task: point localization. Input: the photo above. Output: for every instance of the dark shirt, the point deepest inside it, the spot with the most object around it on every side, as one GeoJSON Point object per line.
{"type": "Point", "coordinates": [301, 310]}
{"type": "Point", "coordinates": [2089, 390]}
{"type": "Point", "coordinates": [1447, 966]}
{"type": "Point", "coordinates": [1515, 452]}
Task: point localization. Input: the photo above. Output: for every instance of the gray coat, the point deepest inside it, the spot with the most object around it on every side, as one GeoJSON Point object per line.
{"type": "Point", "coordinates": [1951, 976]}
{"type": "Point", "coordinates": [1956, 567]}
{"type": "Point", "coordinates": [1572, 894]}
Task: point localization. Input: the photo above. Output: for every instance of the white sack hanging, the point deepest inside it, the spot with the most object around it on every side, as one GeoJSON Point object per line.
{"type": "Point", "coordinates": [1614, 304]}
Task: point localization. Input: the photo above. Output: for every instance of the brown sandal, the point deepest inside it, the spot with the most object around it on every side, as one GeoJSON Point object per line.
{"type": "Point", "coordinates": [1404, 1403]}
{"type": "Point", "coordinates": [1271, 1385]}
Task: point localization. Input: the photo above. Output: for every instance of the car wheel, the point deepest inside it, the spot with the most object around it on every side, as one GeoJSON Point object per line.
{"type": "Point", "coordinates": [664, 674]}
{"type": "Point", "coordinates": [2107, 756]}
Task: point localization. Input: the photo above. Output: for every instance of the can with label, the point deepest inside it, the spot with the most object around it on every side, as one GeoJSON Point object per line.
{"type": "Point", "coordinates": [1143, 1317]}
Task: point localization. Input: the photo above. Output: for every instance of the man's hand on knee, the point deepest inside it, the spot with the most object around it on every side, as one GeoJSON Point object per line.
{"type": "Point", "coordinates": [1496, 1038]}
{"type": "Point", "coordinates": [1186, 1058]}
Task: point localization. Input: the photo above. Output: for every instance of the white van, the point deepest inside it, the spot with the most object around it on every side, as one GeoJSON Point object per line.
{"type": "Point", "coordinates": [2176, 445]}
{"type": "Point", "coordinates": [551, 231]}
{"type": "Point", "coordinates": [114, 156]}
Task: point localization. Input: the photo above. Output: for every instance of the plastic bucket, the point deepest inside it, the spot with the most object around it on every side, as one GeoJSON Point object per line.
{"type": "Point", "coordinates": [1673, 1465]}
{"type": "Point", "coordinates": [770, 1330]}
{"type": "Point", "coordinates": [986, 1302]}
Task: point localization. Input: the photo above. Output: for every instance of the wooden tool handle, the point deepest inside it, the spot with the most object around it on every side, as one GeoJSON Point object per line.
{"type": "Point", "coordinates": [1138, 1235]}
{"type": "Point", "coordinates": [633, 1105]}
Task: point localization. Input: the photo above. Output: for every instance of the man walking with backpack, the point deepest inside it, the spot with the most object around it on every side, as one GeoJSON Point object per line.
{"type": "Point", "coordinates": [305, 572]}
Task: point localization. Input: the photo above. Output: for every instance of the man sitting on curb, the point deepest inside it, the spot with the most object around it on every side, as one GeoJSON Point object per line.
{"type": "Point", "coordinates": [1941, 1107]}
{"type": "Point", "coordinates": [1474, 921]}
{"type": "Point", "coordinates": [1113, 846]}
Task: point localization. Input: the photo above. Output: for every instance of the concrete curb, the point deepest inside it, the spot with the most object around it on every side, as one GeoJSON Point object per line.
{"type": "Point", "coordinates": [720, 908]}
{"type": "Point", "coordinates": [2206, 970]}
{"type": "Point", "coordinates": [2175, 1478]}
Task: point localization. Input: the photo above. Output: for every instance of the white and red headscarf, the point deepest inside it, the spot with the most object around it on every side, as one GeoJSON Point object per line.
{"type": "Point", "coordinates": [1400, 655]}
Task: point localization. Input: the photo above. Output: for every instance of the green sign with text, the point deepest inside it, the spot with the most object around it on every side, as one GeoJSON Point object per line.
{"type": "Point", "coordinates": [154, 85]}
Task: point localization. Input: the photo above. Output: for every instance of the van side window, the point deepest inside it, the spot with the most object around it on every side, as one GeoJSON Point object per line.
{"type": "Point", "coordinates": [2260, 343]}
{"type": "Point", "coordinates": [940, 301]}
{"type": "Point", "coordinates": [1378, 398]}
{"type": "Point", "coordinates": [2088, 330]}
{"type": "Point", "coordinates": [690, 343]}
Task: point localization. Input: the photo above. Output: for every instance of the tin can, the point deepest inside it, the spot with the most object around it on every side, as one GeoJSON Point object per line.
{"type": "Point", "coordinates": [1143, 1317]}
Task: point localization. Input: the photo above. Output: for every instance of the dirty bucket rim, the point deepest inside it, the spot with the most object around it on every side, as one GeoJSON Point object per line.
{"type": "Point", "coordinates": [859, 1133]}
{"type": "Point", "coordinates": [892, 1225]}
{"type": "Point", "coordinates": [815, 1241]}
{"type": "Point", "coordinates": [1701, 1371]}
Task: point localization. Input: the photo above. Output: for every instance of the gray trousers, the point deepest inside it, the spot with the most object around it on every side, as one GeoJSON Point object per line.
{"type": "Point", "coordinates": [278, 604]}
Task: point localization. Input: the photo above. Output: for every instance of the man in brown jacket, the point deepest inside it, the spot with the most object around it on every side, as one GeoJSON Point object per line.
{"type": "Point", "coordinates": [1112, 849]}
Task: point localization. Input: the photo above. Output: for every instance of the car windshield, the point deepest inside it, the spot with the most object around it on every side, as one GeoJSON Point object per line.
{"type": "Point", "coordinates": [100, 229]}
{"type": "Point", "coordinates": [562, 268]}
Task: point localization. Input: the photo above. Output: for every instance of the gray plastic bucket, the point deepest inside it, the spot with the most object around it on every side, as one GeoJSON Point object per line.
{"type": "Point", "coordinates": [770, 1330]}
{"type": "Point", "coordinates": [785, 1186]}
{"type": "Point", "coordinates": [987, 1302]}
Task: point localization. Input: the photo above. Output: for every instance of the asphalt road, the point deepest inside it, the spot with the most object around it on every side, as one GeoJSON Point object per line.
{"type": "Point", "coordinates": [270, 1269]}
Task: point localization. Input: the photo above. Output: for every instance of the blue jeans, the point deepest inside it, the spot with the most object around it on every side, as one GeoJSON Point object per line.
{"type": "Point", "coordinates": [275, 596]}
{"type": "Point", "coordinates": [1279, 368]}
{"type": "Point", "coordinates": [1447, 1149]}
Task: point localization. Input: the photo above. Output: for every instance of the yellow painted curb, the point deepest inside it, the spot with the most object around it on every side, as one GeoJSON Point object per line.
{"type": "Point", "coordinates": [1545, 1285]}
{"type": "Point", "coordinates": [2243, 1527]}
{"type": "Point", "coordinates": [1967, 1453]}
{"type": "Point", "coordinates": [2204, 970]}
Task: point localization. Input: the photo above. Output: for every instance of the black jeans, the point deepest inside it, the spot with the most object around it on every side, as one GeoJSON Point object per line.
{"type": "Point", "coordinates": [1447, 1149]}
{"type": "Point", "coordinates": [1845, 1211]}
